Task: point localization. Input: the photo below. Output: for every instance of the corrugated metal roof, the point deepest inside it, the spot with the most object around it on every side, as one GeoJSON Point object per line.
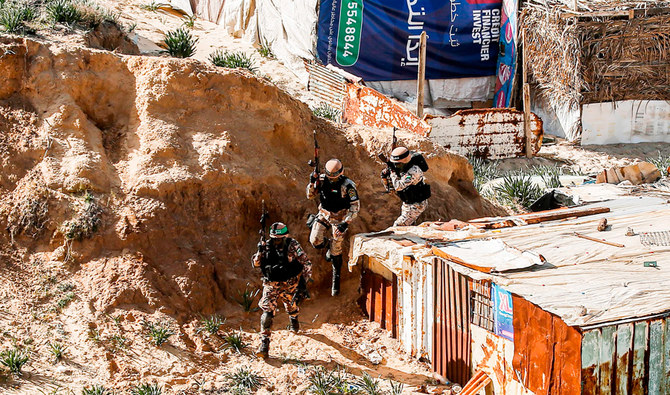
{"type": "Point", "coordinates": [326, 85]}
{"type": "Point", "coordinates": [584, 282]}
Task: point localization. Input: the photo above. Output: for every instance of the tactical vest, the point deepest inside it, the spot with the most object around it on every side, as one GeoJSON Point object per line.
{"type": "Point", "coordinates": [415, 193]}
{"type": "Point", "coordinates": [330, 196]}
{"type": "Point", "coordinates": [275, 264]}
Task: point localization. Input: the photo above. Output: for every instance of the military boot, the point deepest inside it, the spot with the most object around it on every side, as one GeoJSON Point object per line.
{"type": "Point", "coordinates": [337, 267]}
{"type": "Point", "coordinates": [264, 349]}
{"type": "Point", "coordinates": [295, 324]}
{"type": "Point", "coordinates": [266, 326]}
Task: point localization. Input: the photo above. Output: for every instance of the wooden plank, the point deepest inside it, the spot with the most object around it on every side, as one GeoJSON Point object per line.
{"type": "Point", "coordinates": [656, 366]}
{"type": "Point", "coordinates": [624, 349]}
{"type": "Point", "coordinates": [640, 336]}
{"type": "Point", "coordinates": [665, 386]}
{"type": "Point", "coordinates": [421, 78]}
{"type": "Point", "coordinates": [541, 216]}
{"type": "Point", "coordinates": [590, 362]}
{"type": "Point", "coordinates": [442, 254]}
{"type": "Point", "coordinates": [583, 236]}
{"type": "Point", "coordinates": [607, 355]}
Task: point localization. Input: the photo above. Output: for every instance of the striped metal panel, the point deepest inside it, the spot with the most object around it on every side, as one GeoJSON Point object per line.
{"type": "Point", "coordinates": [451, 347]}
{"type": "Point", "coordinates": [326, 85]}
{"type": "Point", "coordinates": [629, 358]}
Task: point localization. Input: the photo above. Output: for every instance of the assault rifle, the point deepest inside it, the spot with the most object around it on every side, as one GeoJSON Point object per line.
{"type": "Point", "coordinates": [315, 162]}
{"type": "Point", "coordinates": [386, 179]}
{"type": "Point", "coordinates": [264, 217]}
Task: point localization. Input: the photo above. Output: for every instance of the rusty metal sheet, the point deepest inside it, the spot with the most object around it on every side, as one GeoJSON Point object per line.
{"type": "Point", "coordinates": [628, 358]}
{"type": "Point", "coordinates": [451, 344]}
{"type": "Point", "coordinates": [656, 365]}
{"type": "Point", "coordinates": [640, 338]}
{"type": "Point", "coordinates": [366, 106]}
{"type": "Point", "coordinates": [493, 133]}
{"type": "Point", "coordinates": [547, 352]}
{"type": "Point", "coordinates": [624, 347]}
{"type": "Point", "coordinates": [380, 299]}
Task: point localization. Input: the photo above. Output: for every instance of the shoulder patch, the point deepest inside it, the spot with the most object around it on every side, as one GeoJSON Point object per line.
{"type": "Point", "coordinates": [353, 195]}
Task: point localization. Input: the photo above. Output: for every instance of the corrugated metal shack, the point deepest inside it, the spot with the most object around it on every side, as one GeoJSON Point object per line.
{"type": "Point", "coordinates": [541, 303]}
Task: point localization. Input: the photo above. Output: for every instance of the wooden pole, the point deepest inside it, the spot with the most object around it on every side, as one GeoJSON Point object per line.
{"type": "Point", "coordinates": [526, 97]}
{"type": "Point", "coordinates": [421, 77]}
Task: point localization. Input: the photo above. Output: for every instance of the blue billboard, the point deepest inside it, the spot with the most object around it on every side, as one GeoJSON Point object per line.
{"type": "Point", "coordinates": [379, 40]}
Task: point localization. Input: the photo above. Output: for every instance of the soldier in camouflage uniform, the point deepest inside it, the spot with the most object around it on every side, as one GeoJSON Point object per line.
{"type": "Point", "coordinates": [408, 182]}
{"type": "Point", "coordinates": [338, 206]}
{"type": "Point", "coordinates": [282, 261]}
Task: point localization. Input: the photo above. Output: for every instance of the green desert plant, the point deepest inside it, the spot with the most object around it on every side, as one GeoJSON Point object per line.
{"type": "Point", "coordinates": [95, 389]}
{"type": "Point", "coordinates": [266, 51]}
{"type": "Point", "coordinates": [325, 110]}
{"type": "Point", "coordinates": [158, 332]}
{"type": "Point", "coordinates": [396, 387]}
{"type": "Point", "coordinates": [368, 385]}
{"type": "Point", "coordinates": [211, 324]}
{"type": "Point", "coordinates": [518, 188]}
{"type": "Point", "coordinates": [244, 379]}
{"type": "Point", "coordinates": [660, 161]}
{"type": "Point", "coordinates": [484, 171]}
{"type": "Point", "coordinates": [64, 301]}
{"type": "Point", "coordinates": [63, 11]}
{"type": "Point", "coordinates": [13, 16]}
{"type": "Point", "coordinates": [234, 341]}
{"type": "Point", "coordinates": [189, 21]}
{"type": "Point", "coordinates": [232, 60]}
{"type": "Point", "coordinates": [153, 6]}
{"type": "Point", "coordinates": [179, 43]}
{"type": "Point", "coordinates": [57, 350]}
{"type": "Point", "coordinates": [119, 341]}
{"type": "Point", "coordinates": [247, 299]}
{"type": "Point", "coordinates": [14, 359]}
{"type": "Point", "coordinates": [550, 175]}
{"type": "Point", "coordinates": [147, 389]}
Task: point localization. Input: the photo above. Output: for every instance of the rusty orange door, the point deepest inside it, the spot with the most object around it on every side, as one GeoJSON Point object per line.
{"type": "Point", "coordinates": [451, 336]}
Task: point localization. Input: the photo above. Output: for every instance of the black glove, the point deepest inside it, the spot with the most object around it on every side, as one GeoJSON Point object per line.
{"type": "Point", "coordinates": [261, 246]}
{"type": "Point", "coordinates": [342, 227]}
{"type": "Point", "coordinates": [385, 173]}
{"type": "Point", "coordinates": [314, 177]}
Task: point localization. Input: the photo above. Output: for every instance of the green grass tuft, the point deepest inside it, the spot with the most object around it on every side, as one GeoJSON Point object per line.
{"type": "Point", "coordinates": [247, 299]}
{"type": "Point", "coordinates": [180, 43]}
{"type": "Point", "coordinates": [63, 11]}
{"type": "Point", "coordinates": [158, 332]}
{"type": "Point", "coordinates": [369, 385]}
{"type": "Point", "coordinates": [57, 350]}
{"type": "Point", "coordinates": [518, 188]}
{"type": "Point", "coordinates": [325, 110]}
{"type": "Point", "coordinates": [147, 389]}
{"type": "Point", "coordinates": [484, 171]}
{"type": "Point", "coordinates": [244, 380]}
{"type": "Point", "coordinates": [661, 162]}
{"type": "Point", "coordinates": [14, 360]}
{"type": "Point", "coordinates": [266, 51]}
{"type": "Point", "coordinates": [95, 389]}
{"type": "Point", "coordinates": [13, 17]}
{"type": "Point", "coordinates": [232, 60]}
{"type": "Point", "coordinates": [211, 324]}
{"type": "Point", "coordinates": [234, 341]}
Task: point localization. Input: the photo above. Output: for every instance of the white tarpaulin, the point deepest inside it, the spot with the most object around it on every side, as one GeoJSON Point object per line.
{"type": "Point", "coordinates": [629, 121]}
{"type": "Point", "coordinates": [491, 253]}
{"type": "Point", "coordinates": [452, 93]}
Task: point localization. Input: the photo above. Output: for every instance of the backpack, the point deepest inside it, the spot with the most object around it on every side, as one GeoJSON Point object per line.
{"type": "Point", "coordinates": [418, 160]}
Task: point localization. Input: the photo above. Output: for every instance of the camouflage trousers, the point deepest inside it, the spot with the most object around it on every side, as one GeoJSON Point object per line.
{"type": "Point", "coordinates": [280, 291]}
{"type": "Point", "coordinates": [410, 212]}
{"type": "Point", "coordinates": [323, 225]}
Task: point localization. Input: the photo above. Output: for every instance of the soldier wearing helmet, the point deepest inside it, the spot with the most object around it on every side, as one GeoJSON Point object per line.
{"type": "Point", "coordinates": [282, 261]}
{"type": "Point", "coordinates": [339, 205]}
{"type": "Point", "coordinates": [407, 179]}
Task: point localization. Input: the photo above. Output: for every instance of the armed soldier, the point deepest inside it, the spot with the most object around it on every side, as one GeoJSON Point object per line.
{"type": "Point", "coordinates": [339, 205]}
{"type": "Point", "coordinates": [282, 262]}
{"type": "Point", "coordinates": [404, 174]}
